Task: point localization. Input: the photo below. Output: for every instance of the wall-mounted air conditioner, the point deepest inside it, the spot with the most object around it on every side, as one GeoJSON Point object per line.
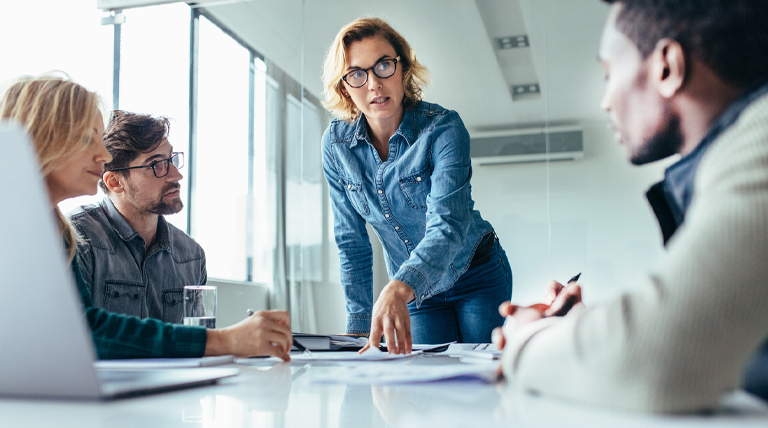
{"type": "Point", "coordinates": [527, 145]}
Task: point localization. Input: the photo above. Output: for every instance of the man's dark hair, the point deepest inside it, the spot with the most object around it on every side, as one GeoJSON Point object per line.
{"type": "Point", "coordinates": [729, 36]}
{"type": "Point", "coordinates": [130, 134]}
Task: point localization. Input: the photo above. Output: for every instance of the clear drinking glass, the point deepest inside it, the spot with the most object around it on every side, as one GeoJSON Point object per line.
{"type": "Point", "coordinates": [200, 305]}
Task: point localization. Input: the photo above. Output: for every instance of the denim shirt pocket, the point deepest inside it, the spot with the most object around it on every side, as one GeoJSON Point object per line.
{"type": "Point", "coordinates": [356, 195]}
{"type": "Point", "coordinates": [173, 305]}
{"type": "Point", "coordinates": [124, 297]}
{"type": "Point", "coordinates": [416, 187]}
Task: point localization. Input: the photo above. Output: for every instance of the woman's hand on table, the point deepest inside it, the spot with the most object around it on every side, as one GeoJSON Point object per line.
{"type": "Point", "coordinates": [391, 318]}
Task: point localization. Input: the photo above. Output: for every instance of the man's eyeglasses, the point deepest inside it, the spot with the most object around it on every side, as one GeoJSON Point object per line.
{"type": "Point", "coordinates": [382, 69]}
{"type": "Point", "coordinates": [160, 168]}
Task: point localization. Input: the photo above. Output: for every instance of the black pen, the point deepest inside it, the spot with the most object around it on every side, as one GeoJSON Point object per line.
{"type": "Point", "coordinates": [574, 279]}
{"type": "Point", "coordinates": [296, 343]}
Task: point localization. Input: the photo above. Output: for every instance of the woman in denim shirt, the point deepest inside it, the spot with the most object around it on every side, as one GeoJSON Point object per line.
{"type": "Point", "coordinates": [403, 166]}
{"type": "Point", "coordinates": [66, 127]}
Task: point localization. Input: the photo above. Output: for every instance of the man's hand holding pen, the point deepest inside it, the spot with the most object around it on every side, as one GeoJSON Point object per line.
{"type": "Point", "coordinates": [559, 300]}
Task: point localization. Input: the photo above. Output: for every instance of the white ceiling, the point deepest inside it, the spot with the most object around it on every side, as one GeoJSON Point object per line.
{"type": "Point", "coordinates": [450, 37]}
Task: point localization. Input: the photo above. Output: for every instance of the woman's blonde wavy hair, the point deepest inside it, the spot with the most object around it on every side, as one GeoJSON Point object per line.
{"type": "Point", "coordinates": [415, 75]}
{"type": "Point", "coordinates": [58, 115]}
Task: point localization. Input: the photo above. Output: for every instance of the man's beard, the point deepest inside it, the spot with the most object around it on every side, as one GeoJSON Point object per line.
{"type": "Point", "coordinates": [163, 208]}
{"type": "Point", "coordinates": [667, 142]}
{"type": "Point", "coordinates": [160, 207]}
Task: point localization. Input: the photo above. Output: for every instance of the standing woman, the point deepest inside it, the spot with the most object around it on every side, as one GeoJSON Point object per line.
{"type": "Point", "coordinates": [403, 166]}
{"type": "Point", "coordinates": [66, 128]}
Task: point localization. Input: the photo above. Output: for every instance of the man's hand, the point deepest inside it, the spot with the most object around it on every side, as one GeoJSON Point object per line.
{"type": "Point", "coordinates": [391, 318]}
{"type": "Point", "coordinates": [515, 316]}
{"type": "Point", "coordinates": [263, 333]}
{"type": "Point", "coordinates": [561, 298]}
{"type": "Point", "coordinates": [559, 301]}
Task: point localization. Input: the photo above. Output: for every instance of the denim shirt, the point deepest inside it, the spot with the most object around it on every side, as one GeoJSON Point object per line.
{"type": "Point", "coordinates": [418, 202]}
{"type": "Point", "coordinates": [671, 197]}
{"type": "Point", "coordinates": [127, 279]}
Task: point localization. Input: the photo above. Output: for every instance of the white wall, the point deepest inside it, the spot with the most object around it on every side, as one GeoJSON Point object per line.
{"type": "Point", "coordinates": [602, 225]}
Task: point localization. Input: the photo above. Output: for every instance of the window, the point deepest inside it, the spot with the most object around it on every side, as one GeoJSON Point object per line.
{"type": "Point", "coordinates": [68, 37]}
{"type": "Point", "coordinates": [154, 75]}
{"type": "Point", "coordinates": [304, 191]}
{"type": "Point", "coordinates": [221, 156]}
{"type": "Point", "coordinates": [263, 230]}
{"type": "Point", "coordinates": [256, 200]}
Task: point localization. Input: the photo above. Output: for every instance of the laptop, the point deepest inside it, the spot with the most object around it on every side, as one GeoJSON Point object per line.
{"type": "Point", "coordinates": [46, 349]}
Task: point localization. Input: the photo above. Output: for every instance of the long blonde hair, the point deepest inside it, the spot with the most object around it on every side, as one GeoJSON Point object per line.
{"type": "Point", "coordinates": [415, 75]}
{"type": "Point", "coordinates": [58, 115]}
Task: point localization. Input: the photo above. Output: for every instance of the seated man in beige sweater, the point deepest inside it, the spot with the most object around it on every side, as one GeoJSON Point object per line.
{"type": "Point", "coordinates": [687, 77]}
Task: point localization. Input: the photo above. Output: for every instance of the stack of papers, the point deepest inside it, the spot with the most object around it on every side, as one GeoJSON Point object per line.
{"type": "Point", "coordinates": [474, 350]}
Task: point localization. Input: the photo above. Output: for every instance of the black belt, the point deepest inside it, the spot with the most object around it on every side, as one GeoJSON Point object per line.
{"type": "Point", "coordinates": [482, 254]}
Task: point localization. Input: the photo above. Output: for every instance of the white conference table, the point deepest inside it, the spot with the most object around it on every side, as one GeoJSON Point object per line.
{"type": "Point", "coordinates": [267, 394]}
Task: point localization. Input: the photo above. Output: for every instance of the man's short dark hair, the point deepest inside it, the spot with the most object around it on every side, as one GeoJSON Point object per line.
{"type": "Point", "coordinates": [729, 36]}
{"type": "Point", "coordinates": [130, 134]}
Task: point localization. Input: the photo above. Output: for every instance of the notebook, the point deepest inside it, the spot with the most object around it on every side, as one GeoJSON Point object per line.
{"type": "Point", "coordinates": [319, 342]}
{"type": "Point", "coordinates": [46, 348]}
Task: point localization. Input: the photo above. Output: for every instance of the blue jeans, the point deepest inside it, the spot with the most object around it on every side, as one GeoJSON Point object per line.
{"type": "Point", "coordinates": [756, 373]}
{"type": "Point", "coordinates": [469, 311]}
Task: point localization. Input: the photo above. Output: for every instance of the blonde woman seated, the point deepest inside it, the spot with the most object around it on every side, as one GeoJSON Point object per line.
{"type": "Point", "coordinates": [66, 127]}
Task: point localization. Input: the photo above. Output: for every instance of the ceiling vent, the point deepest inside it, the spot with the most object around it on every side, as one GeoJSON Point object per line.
{"type": "Point", "coordinates": [520, 92]}
{"type": "Point", "coordinates": [566, 143]}
{"type": "Point", "coordinates": [512, 42]}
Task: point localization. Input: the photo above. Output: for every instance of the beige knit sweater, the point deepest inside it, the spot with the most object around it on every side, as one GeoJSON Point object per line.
{"type": "Point", "coordinates": [682, 339]}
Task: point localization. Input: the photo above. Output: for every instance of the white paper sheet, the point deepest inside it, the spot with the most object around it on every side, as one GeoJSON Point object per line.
{"type": "Point", "coordinates": [389, 374]}
{"type": "Point", "coordinates": [163, 363]}
{"type": "Point", "coordinates": [372, 354]}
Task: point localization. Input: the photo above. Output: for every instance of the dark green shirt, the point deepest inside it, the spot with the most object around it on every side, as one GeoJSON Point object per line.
{"type": "Point", "coordinates": [124, 336]}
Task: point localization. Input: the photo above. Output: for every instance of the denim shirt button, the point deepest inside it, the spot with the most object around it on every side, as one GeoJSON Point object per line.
{"type": "Point", "coordinates": [381, 192]}
{"type": "Point", "coordinates": [407, 241]}
{"type": "Point", "coordinates": [418, 178]}
{"type": "Point", "coordinates": [136, 296]}
{"type": "Point", "coordinates": [116, 294]}
{"type": "Point", "coordinates": [398, 228]}
{"type": "Point", "coordinates": [349, 186]}
{"type": "Point", "coordinates": [422, 297]}
{"type": "Point", "coordinates": [386, 215]}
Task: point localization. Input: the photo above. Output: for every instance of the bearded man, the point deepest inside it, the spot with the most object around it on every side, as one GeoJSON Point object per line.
{"type": "Point", "coordinates": [132, 259]}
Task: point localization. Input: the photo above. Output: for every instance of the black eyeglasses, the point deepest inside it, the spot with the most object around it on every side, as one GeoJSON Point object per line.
{"type": "Point", "coordinates": [382, 69]}
{"type": "Point", "coordinates": [160, 168]}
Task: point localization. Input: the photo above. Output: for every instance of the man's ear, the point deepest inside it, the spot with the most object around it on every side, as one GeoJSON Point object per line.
{"type": "Point", "coordinates": [113, 182]}
{"type": "Point", "coordinates": [668, 67]}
